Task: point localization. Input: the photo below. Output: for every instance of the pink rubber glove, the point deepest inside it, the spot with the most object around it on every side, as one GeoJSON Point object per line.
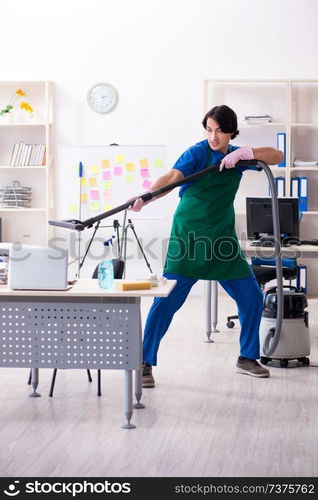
{"type": "Point", "coordinates": [139, 203]}
{"type": "Point", "coordinates": [230, 160]}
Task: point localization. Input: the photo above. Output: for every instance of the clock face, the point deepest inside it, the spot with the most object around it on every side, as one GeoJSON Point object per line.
{"type": "Point", "coordinates": [102, 97]}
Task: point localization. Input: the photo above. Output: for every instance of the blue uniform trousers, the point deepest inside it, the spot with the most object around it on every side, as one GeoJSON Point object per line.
{"type": "Point", "coordinates": [249, 299]}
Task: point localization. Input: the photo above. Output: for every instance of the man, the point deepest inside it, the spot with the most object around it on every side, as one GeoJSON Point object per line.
{"type": "Point", "coordinates": [203, 243]}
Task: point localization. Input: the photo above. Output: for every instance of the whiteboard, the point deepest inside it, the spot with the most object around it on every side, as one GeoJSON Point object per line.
{"type": "Point", "coordinates": [111, 175]}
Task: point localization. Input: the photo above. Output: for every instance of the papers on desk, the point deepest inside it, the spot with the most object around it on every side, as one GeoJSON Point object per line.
{"type": "Point", "coordinates": [258, 119]}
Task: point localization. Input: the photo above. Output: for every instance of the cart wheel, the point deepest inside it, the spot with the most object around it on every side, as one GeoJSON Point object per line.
{"type": "Point", "coordinates": [306, 361]}
{"type": "Point", "coordinates": [230, 324]}
{"type": "Point", "coordinates": [264, 360]}
{"type": "Point", "coordinates": [284, 363]}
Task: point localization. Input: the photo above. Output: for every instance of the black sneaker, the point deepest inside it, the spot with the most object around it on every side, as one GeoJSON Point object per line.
{"type": "Point", "coordinates": [251, 367]}
{"type": "Point", "coordinates": [147, 377]}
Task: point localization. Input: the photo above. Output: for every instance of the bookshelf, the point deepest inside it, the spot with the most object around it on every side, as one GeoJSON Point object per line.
{"type": "Point", "coordinates": [293, 106]}
{"type": "Point", "coordinates": [28, 224]}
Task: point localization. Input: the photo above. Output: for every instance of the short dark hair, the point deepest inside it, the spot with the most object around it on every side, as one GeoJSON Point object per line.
{"type": "Point", "coordinates": [225, 117]}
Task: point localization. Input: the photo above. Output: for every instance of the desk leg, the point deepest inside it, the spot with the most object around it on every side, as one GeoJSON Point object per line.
{"type": "Point", "coordinates": [214, 306]}
{"type": "Point", "coordinates": [208, 320]}
{"type": "Point", "coordinates": [128, 400]}
{"type": "Point", "coordinates": [138, 373]}
{"type": "Point", "coordinates": [34, 382]}
{"type": "Point", "coordinates": [138, 389]}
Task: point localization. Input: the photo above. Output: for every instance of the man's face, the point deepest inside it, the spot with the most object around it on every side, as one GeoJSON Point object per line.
{"type": "Point", "coordinates": [217, 139]}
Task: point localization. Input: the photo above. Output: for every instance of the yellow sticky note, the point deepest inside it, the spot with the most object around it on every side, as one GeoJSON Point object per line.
{"type": "Point", "coordinates": [95, 206]}
{"type": "Point", "coordinates": [120, 159]}
{"type": "Point", "coordinates": [83, 197]}
{"type": "Point", "coordinates": [92, 181]}
{"type": "Point", "coordinates": [158, 163]}
{"type": "Point", "coordinates": [143, 163]}
{"type": "Point", "coordinates": [83, 181]}
{"type": "Point", "coordinates": [72, 208]}
{"type": "Point", "coordinates": [107, 207]}
{"type": "Point", "coordinates": [107, 185]}
{"type": "Point", "coordinates": [130, 167]}
{"type": "Point", "coordinates": [130, 178]}
{"type": "Point", "coordinates": [94, 169]}
{"type": "Point", "coordinates": [105, 163]}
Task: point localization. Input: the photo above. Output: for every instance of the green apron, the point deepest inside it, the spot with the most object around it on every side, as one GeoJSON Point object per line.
{"type": "Point", "coordinates": [203, 242]}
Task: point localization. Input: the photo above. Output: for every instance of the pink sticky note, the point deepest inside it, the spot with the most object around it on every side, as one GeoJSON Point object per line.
{"type": "Point", "coordinates": [107, 175]}
{"type": "Point", "coordinates": [146, 184]}
{"type": "Point", "coordinates": [144, 172]}
{"type": "Point", "coordinates": [118, 170]}
{"type": "Point", "coordinates": [108, 195]}
{"type": "Point", "coordinates": [94, 195]}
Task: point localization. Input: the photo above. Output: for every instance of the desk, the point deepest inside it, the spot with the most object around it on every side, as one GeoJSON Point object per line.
{"type": "Point", "coordinates": [211, 290]}
{"type": "Point", "coordinates": [84, 327]}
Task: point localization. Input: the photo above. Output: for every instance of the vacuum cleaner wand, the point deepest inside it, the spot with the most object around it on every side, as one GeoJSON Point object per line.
{"type": "Point", "coordinates": [78, 225]}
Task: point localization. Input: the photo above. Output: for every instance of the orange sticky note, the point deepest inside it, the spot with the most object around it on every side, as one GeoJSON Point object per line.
{"type": "Point", "coordinates": [105, 163]}
{"type": "Point", "coordinates": [143, 163]}
{"type": "Point", "coordinates": [130, 167]}
{"type": "Point", "coordinates": [83, 197]}
{"type": "Point", "coordinates": [92, 181]}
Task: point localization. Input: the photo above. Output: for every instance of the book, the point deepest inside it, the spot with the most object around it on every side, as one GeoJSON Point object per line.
{"type": "Point", "coordinates": [14, 154]}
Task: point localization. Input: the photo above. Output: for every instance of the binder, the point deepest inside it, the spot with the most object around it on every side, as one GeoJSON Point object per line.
{"type": "Point", "coordinates": [280, 186]}
{"type": "Point", "coordinates": [294, 187]}
{"type": "Point", "coordinates": [303, 194]}
{"type": "Point", "coordinates": [302, 277]}
{"type": "Point", "coordinates": [281, 145]}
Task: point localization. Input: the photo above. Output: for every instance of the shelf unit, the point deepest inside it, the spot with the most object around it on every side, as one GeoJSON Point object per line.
{"type": "Point", "coordinates": [28, 225]}
{"type": "Point", "coordinates": [293, 105]}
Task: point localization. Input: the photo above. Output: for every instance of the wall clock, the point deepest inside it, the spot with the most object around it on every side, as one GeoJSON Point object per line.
{"type": "Point", "coordinates": [102, 97]}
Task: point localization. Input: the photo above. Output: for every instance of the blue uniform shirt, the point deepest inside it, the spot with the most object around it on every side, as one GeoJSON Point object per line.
{"type": "Point", "coordinates": [194, 159]}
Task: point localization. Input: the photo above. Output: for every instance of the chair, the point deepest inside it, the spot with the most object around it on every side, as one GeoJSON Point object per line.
{"type": "Point", "coordinates": [265, 271]}
{"type": "Point", "coordinates": [118, 266]}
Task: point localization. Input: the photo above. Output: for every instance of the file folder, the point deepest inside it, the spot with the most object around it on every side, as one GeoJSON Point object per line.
{"type": "Point", "coordinates": [302, 277]}
{"type": "Point", "coordinates": [303, 194]}
{"type": "Point", "coordinates": [280, 186]}
{"type": "Point", "coordinates": [294, 187]}
{"type": "Point", "coordinates": [281, 145]}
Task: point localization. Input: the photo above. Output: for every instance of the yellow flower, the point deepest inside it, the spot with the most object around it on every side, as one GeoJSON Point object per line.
{"type": "Point", "coordinates": [13, 102]}
{"type": "Point", "coordinates": [26, 106]}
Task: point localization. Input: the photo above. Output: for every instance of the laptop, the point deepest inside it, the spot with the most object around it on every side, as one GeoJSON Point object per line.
{"type": "Point", "coordinates": [37, 268]}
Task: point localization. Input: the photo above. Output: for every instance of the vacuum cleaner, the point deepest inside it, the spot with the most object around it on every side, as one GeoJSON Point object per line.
{"type": "Point", "coordinates": [284, 331]}
{"type": "Point", "coordinates": [284, 328]}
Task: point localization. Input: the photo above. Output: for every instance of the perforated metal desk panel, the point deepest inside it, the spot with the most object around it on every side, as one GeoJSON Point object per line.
{"type": "Point", "coordinates": [84, 327]}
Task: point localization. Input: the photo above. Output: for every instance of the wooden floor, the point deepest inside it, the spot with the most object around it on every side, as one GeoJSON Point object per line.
{"type": "Point", "coordinates": [202, 419]}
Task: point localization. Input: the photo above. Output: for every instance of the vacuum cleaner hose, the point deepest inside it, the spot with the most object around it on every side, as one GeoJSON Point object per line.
{"type": "Point", "coordinates": [272, 338]}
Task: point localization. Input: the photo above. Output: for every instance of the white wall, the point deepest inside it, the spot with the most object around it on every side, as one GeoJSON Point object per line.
{"type": "Point", "coordinates": [157, 55]}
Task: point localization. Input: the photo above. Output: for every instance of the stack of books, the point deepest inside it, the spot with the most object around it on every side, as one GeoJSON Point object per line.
{"type": "Point", "coordinates": [27, 154]}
